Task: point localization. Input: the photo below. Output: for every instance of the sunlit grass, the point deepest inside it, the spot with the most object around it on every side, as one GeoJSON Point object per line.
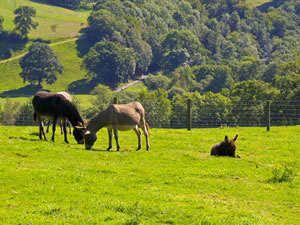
{"type": "Point", "coordinates": [68, 22]}
{"type": "Point", "coordinates": [177, 182]}
{"type": "Point", "coordinates": [255, 3]}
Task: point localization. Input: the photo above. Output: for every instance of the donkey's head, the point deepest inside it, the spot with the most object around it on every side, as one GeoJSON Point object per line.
{"type": "Point", "coordinates": [78, 135]}
{"type": "Point", "coordinates": [89, 136]}
{"type": "Point", "coordinates": [230, 145]}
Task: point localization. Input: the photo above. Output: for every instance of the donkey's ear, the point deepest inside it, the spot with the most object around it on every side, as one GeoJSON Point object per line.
{"type": "Point", "coordinates": [87, 132]}
{"type": "Point", "coordinates": [236, 136]}
{"type": "Point", "coordinates": [226, 139]}
{"type": "Point", "coordinates": [80, 124]}
{"type": "Point", "coordinates": [81, 128]}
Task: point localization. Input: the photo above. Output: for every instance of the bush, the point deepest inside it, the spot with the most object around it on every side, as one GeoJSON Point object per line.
{"type": "Point", "coordinates": [284, 172]}
{"type": "Point", "coordinates": [153, 82]}
{"type": "Point", "coordinates": [10, 112]}
{"type": "Point", "coordinates": [25, 115]}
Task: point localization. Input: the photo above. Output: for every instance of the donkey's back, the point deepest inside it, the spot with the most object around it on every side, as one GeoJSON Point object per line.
{"type": "Point", "coordinates": [48, 105]}
{"type": "Point", "coordinates": [127, 114]}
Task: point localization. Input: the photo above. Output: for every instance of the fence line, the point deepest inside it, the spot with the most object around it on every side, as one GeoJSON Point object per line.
{"type": "Point", "coordinates": [196, 115]}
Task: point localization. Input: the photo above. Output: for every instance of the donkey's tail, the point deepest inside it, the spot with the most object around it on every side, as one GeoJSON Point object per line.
{"type": "Point", "coordinates": [34, 116]}
{"type": "Point", "coordinates": [147, 127]}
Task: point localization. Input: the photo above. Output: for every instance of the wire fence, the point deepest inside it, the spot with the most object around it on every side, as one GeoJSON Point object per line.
{"type": "Point", "coordinates": [205, 115]}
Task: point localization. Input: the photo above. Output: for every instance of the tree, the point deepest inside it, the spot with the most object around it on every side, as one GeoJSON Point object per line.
{"type": "Point", "coordinates": [110, 63]}
{"type": "Point", "coordinates": [39, 64]}
{"type": "Point", "coordinates": [157, 106]}
{"type": "Point", "coordinates": [250, 68]}
{"type": "Point", "coordinates": [177, 48]}
{"type": "Point", "coordinates": [213, 77]}
{"type": "Point", "coordinates": [184, 78]}
{"type": "Point", "coordinates": [154, 82]}
{"type": "Point", "coordinates": [103, 24]}
{"type": "Point", "coordinates": [104, 96]}
{"type": "Point", "coordinates": [249, 99]}
{"type": "Point", "coordinates": [23, 20]}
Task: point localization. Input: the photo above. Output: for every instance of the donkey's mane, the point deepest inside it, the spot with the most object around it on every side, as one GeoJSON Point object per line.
{"type": "Point", "coordinates": [73, 109]}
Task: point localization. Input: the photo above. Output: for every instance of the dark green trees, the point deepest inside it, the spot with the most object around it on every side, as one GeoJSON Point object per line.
{"type": "Point", "coordinates": [110, 63]}
{"type": "Point", "coordinates": [23, 20]}
{"type": "Point", "coordinates": [40, 64]}
{"type": "Point", "coordinates": [69, 4]}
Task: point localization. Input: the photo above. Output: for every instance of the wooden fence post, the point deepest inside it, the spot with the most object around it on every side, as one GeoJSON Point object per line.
{"type": "Point", "coordinates": [189, 114]}
{"type": "Point", "coordinates": [115, 100]}
{"type": "Point", "coordinates": [268, 114]}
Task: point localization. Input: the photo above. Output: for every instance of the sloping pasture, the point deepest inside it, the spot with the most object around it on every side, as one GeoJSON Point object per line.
{"type": "Point", "coordinates": [177, 182]}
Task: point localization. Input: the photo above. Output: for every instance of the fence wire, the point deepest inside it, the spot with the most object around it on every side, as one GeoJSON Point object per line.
{"type": "Point", "coordinates": [249, 114]}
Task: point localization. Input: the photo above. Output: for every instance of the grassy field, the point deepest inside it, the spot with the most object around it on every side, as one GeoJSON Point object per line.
{"type": "Point", "coordinates": [177, 182]}
{"type": "Point", "coordinates": [54, 22]}
{"type": "Point", "coordinates": [255, 3]}
{"type": "Point", "coordinates": [11, 80]}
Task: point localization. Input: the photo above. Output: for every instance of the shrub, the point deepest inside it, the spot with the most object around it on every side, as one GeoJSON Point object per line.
{"type": "Point", "coordinates": [284, 172]}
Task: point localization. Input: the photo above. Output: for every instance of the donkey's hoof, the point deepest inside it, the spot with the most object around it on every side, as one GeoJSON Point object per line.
{"type": "Point", "coordinates": [108, 149]}
{"type": "Point", "coordinates": [139, 148]}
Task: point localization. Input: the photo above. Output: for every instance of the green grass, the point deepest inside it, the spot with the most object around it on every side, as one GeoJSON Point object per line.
{"type": "Point", "coordinates": [177, 182]}
{"type": "Point", "coordinates": [55, 23]}
{"type": "Point", "coordinates": [255, 3]}
{"type": "Point", "coordinates": [67, 22]}
{"type": "Point", "coordinates": [67, 54]}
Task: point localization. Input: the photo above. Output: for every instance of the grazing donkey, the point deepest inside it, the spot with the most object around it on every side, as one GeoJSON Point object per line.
{"type": "Point", "coordinates": [55, 106]}
{"type": "Point", "coordinates": [68, 98]}
{"type": "Point", "coordinates": [225, 148]}
{"type": "Point", "coordinates": [117, 117]}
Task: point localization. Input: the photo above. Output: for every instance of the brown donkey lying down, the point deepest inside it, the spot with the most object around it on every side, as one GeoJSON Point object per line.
{"type": "Point", "coordinates": [117, 117]}
{"type": "Point", "coordinates": [225, 148]}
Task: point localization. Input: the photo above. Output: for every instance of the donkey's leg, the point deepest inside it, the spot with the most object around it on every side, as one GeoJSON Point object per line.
{"type": "Point", "coordinates": [43, 130]}
{"type": "Point", "coordinates": [48, 125]}
{"type": "Point", "coordinates": [70, 127]}
{"type": "Point", "coordinates": [138, 133]}
{"type": "Point", "coordinates": [146, 133]}
{"type": "Point", "coordinates": [116, 137]}
{"type": "Point", "coordinates": [53, 128]}
{"type": "Point", "coordinates": [61, 124]}
{"type": "Point", "coordinates": [109, 130]}
{"type": "Point", "coordinates": [40, 128]}
{"type": "Point", "coordinates": [64, 126]}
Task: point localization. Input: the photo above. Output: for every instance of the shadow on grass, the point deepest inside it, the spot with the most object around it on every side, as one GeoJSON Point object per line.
{"type": "Point", "coordinates": [83, 86]}
{"type": "Point", "coordinates": [9, 43]}
{"type": "Point", "coordinates": [23, 138]}
{"type": "Point", "coordinates": [26, 91]}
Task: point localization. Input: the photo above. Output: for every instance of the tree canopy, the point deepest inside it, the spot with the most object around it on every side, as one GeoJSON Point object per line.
{"type": "Point", "coordinates": [165, 35]}
{"type": "Point", "coordinates": [23, 20]}
{"type": "Point", "coordinates": [40, 64]}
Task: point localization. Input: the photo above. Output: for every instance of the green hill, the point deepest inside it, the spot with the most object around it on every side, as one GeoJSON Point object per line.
{"type": "Point", "coordinates": [55, 24]}
{"type": "Point", "coordinates": [230, 44]}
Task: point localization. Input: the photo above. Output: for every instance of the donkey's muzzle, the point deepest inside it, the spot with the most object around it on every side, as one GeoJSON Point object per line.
{"type": "Point", "coordinates": [80, 142]}
{"type": "Point", "coordinates": [88, 147]}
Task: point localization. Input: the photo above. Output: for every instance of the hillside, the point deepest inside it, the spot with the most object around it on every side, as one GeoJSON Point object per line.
{"type": "Point", "coordinates": [222, 34]}
{"type": "Point", "coordinates": [55, 24]}
{"type": "Point", "coordinates": [65, 23]}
